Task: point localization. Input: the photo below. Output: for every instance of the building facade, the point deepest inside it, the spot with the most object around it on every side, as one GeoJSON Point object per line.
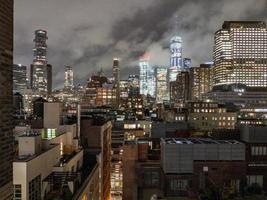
{"type": "Point", "coordinates": [161, 83]}
{"type": "Point", "coordinates": [194, 164]}
{"type": "Point", "coordinates": [143, 69]}
{"type": "Point", "coordinates": [240, 54]}
{"type": "Point", "coordinates": [41, 72]}
{"type": "Point", "coordinates": [200, 81]}
{"type": "Point", "coordinates": [68, 84]}
{"type": "Point", "coordinates": [116, 77]}
{"type": "Point", "coordinates": [6, 62]}
{"type": "Point", "coordinates": [19, 78]}
{"type": "Point", "coordinates": [176, 62]}
{"type": "Point", "coordinates": [179, 89]}
{"type": "Point", "coordinates": [207, 116]}
{"type": "Point", "coordinates": [187, 64]}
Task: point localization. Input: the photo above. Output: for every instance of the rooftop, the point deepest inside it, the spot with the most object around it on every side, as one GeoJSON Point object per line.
{"type": "Point", "coordinates": [27, 158]}
{"type": "Point", "coordinates": [245, 24]}
{"type": "Point", "coordinates": [198, 141]}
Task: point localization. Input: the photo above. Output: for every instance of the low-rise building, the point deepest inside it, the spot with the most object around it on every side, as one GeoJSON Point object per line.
{"type": "Point", "coordinates": [194, 164]}
{"type": "Point", "coordinates": [255, 139]}
{"type": "Point", "coordinates": [206, 116]}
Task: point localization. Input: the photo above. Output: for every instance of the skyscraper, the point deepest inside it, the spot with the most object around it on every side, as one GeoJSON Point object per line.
{"type": "Point", "coordinates": [39, 69]}
{"type": "Point", "coordinates": [49, 78]}
{"type": "Point", "coordinates": [133, 85]}
{"type": "Point", "coordinates": [6, 61]}
{"type": "Point", "coordinates": [176, 64]}
{"type": "Point", "coordinates": [19, 78]}
{"type": "Point", "coordinates": [180, 88]}
{"type": "Point", "coordinates": [161, 83]}
{"type": "Point", "coordinates": [240, 54]}
{"type": "Point", "coordinates": [143, 69]}
{"type": "Point", "coordinates": [200, 81]}
{"type": "Point", "coordinates": [187, 64]}
{"type": "Point", "coordinates": [68, 78]}
{"type": "Point", "coordinates": [116, 77]}
{"type": "Point", "coordinates": [151, 81]}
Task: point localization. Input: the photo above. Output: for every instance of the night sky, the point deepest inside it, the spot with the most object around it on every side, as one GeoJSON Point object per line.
{"type": "Point", "coordinates": [87, 34]}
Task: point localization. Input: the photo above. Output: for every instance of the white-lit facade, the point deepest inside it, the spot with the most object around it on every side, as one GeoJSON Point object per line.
{"type": "Point", "coordinates": [240, 54]}
{"type": "Point", "coordinates": [68, 84]}
{"type": "Point", "coordinates": [143, 70]}
{"type": "Point", "coordinates": [147, 79]}
{"type": "Point", "coordinates": [176, 62]}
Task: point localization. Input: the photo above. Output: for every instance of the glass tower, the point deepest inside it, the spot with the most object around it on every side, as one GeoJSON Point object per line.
{"type": "Point", "coordinates": [143, 70]}
{"type": "Point", "coordinates": [39, 72]}
{"type": "Point", "coordinates": [19, 78]}
{"type": "Point", "coordinates": [68, 78]}
{"type": "Point", "coordinates": [176, 62]}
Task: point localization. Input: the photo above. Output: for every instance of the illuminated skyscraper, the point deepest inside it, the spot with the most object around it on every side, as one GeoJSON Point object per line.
{"type": "Point", "coordinates": [6, 119]}
{"type": "Point", "coordinates": [147, 76]}
{"type": "Point", "coordinates": [143, 70]}
{"type": "Point", "coordinates": [240, 54]}
{"type": "Point", "coordinates": [133, 85]}
{"type": "Point", "coordinates": [161, 83]}
{"type": "Point", "coordinates": [116, 77]}
{"type": "Point", "coordinates": [68, 84]}
{"type": "Point", "coordinates": [151, 81]}
{"type": "Point", "coordinates": [19, 78]}
{"type": "Point", "coordinates": [39, 69]}
{"type": "Point", "coordinates": [176, 64]}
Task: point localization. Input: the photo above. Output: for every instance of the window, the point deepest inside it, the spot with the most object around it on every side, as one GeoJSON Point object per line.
{"type": "Point", "coordinates": [35, 188]}
{"type": "Point", "coordinates": [258, 150]}
{"type": "Point", "coordinates": [252, 179]}
{"type": "Point", "coordinates": [178, 185]}
{"type": "Point", "coordinates": [151, 178]}
{"type": "Point", "coordinates": [129, 126]}
{"type": "Point", "coordinates": [17, 192]}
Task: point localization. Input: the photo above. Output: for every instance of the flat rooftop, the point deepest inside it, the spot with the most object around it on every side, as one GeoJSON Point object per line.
{"type": "Point", "coordinates": [27, 158]}
{"type": "Point", "coordinates": [198, 141]}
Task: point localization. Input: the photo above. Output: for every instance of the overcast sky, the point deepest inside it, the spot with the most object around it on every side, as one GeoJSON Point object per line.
{"type": "Point", "coordinates": [87, 34]}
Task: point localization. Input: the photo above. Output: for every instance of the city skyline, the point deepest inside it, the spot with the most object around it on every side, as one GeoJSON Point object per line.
{"type": "Point", "coordinates": [133, 100]}
{"type": "Point", "coordinates": [125, 33]}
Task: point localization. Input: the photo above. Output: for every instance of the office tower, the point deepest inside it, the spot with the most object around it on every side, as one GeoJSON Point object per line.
{"type": "Point", "coordinates": [151, 81]}
{"type": "Point", "coordinates": [133, 85]}
{"type": "Point", "coordinates": [6, 86]}
{"type": "Point", "coordinates": [200, 81]}
{"type": "Point", "coordinates": [116, 77]}
{"type": "Point", "coordinates": [143, 69]}
{"type": "Point", "coordinates": [161, 84]}
{"type": "Point", "coordinates": [68, 78]}
{"type": "Point", "coordinates": [187, 64]}
{"type": "Point", "coordinates": [49, 78]}
{"type": "Point", "coordinates": [39, 69]}
{"type": "Point", "coordinates": [176, 64]}
{"type": "Point", "coordinates": [19, 78]}
{"type": "Point", "coordinates": [240, 54]}
{"type": "Point", "coordinates": [180, 87]}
